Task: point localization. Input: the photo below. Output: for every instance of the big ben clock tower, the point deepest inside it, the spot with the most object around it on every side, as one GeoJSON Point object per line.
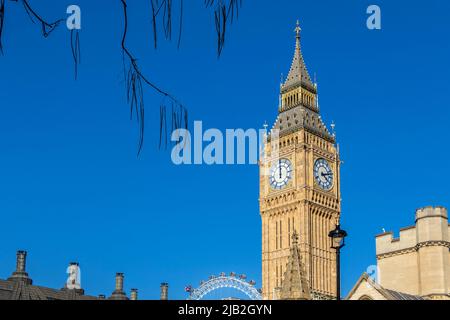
{"type": "Point", "coordinates": [299, 190]}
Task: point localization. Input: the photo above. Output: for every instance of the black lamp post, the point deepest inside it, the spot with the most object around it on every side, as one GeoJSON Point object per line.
{"type": "Point", "coordinates": [338, 242]}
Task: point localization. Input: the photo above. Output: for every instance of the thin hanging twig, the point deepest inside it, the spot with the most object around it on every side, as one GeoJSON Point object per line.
{"type": "Point", "coordinates": [76, 49]}
{"type": "Point", "coordinates": [162, 126]}
{"type": "Point", "coordinates": [46, 27]}
{"type": "Point", "coordinates": [223, 15]}
{"type": "Point", "coordinates": [165, 6]}
{"type": "Point", "coordinates": [2, 19]}
{"type": "Point", "coordinates": [181, 22]}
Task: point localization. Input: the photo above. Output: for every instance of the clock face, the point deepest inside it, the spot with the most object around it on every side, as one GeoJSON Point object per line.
{"type": "Point", "coordinates": [323, 174]}
{"type": "Point", "coordinates": [280, 174]}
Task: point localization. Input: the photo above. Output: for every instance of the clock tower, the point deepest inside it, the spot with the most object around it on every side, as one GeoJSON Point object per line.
{"type": "Point", "coordinates": [299, 189]}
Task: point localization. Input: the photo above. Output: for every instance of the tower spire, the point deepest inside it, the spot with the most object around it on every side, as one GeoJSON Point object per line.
{"type": "Point", "coordinates": [298, 74]}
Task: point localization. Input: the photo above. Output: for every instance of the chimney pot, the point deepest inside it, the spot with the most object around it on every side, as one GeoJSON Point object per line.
{"type": "Point", "coordinates": [21, 261]}
{"type": "Point", "coordinates": [118, 293]}
{"type": "Point", "coordinates": [164, 291]}
{"type": "Point", "coordinates": [20, 274]}
{"type": "Point", "coordinates": [134, 294]}
{"type": "Point", "coordinates": [119, 282]}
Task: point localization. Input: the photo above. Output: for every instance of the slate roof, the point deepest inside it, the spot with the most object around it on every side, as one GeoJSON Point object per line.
{"type": "Point", "coordinates": [15, 289]}
{"type": "Point", "coordinates": [386, 293]}
{"type": "Point", "coordinates": [299, 117]}
{"type": "Point", "coordinates": [19, 286]}
{"type": "Point", "coordinates": [401, 296]}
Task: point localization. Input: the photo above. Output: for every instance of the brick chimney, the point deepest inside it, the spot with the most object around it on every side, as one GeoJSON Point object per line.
{"type": "Point", "coordinates": [20, 274]}
{"type": "Point", "coordinates": [118, 293]}
{"type": "Point", "coordinates": [164, 291]}
{"type": "Point", "coordinates": [134, 294]}
{"type": "Point", "coordinates": [119, 282]}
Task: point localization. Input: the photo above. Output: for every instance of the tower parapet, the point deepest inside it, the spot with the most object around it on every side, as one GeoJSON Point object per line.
{"type": "Point", "coordinates": [432, 224]}
{"type": "Point", "coordinates": [386, 243]}
{"type": "Point", "coordinates": [418, 262]}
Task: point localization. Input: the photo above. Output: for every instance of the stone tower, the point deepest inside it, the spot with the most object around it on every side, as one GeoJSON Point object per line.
{"type": "Point", "coordinates": [299, 187]}
{"type": "Point", "coordinates": [418, 262]}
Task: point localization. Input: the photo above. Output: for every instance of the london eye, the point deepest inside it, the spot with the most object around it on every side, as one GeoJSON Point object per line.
{"type": "Point", "coordinates": [225, 287]}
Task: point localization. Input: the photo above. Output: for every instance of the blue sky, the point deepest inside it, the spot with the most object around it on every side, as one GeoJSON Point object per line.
{"type": "Point", "coordinates": [72, 188]}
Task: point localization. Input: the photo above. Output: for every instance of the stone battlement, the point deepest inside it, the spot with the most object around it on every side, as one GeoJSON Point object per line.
{"type": "Point", "coordinates": [431, 225]}
{"type": "Point", "coordinates": [417, 262]}
{"type": "Point", "coordinates": [431, 212]}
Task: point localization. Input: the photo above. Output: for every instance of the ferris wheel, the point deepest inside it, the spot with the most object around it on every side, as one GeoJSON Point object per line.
{"type": "Point", "coordinates": [223, 281]}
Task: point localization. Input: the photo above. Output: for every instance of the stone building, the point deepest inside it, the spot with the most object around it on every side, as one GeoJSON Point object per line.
{"type": "Point", "coordinates": [19, 286]}
{"type": "Point", "coordinates": [414, 265]}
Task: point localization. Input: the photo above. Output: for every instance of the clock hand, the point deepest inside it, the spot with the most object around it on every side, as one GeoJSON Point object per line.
{"type": "Point", "coordinates": [279, 166]}
{"type": "Point", "coordinates": [327, 176]}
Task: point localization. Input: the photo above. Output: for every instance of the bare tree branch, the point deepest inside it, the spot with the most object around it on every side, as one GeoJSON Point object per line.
{"type": "Point", "coordinates": [47, 27]}
{"type": "Point", "coordinates": [135, 80]}
{"type": "Point", "coordinates": [2, 19]}
{"type": "Point", "coordinates": [225, 11]}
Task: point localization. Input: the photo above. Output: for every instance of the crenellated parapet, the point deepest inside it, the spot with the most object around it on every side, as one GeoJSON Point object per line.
{"type": "Point", "coordinates": [418, 261]}
{"type": "Point", "coordinates": [431, 228]}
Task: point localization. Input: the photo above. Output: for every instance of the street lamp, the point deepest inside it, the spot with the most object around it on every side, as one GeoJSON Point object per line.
{"type": "Point", "coordinates": [338, 242]}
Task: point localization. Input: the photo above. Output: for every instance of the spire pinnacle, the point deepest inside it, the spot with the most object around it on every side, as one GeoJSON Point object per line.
{"type": "Point", "coordinates": [298, 74]}
{"type": "Point", "coordinates": [297, 33]}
